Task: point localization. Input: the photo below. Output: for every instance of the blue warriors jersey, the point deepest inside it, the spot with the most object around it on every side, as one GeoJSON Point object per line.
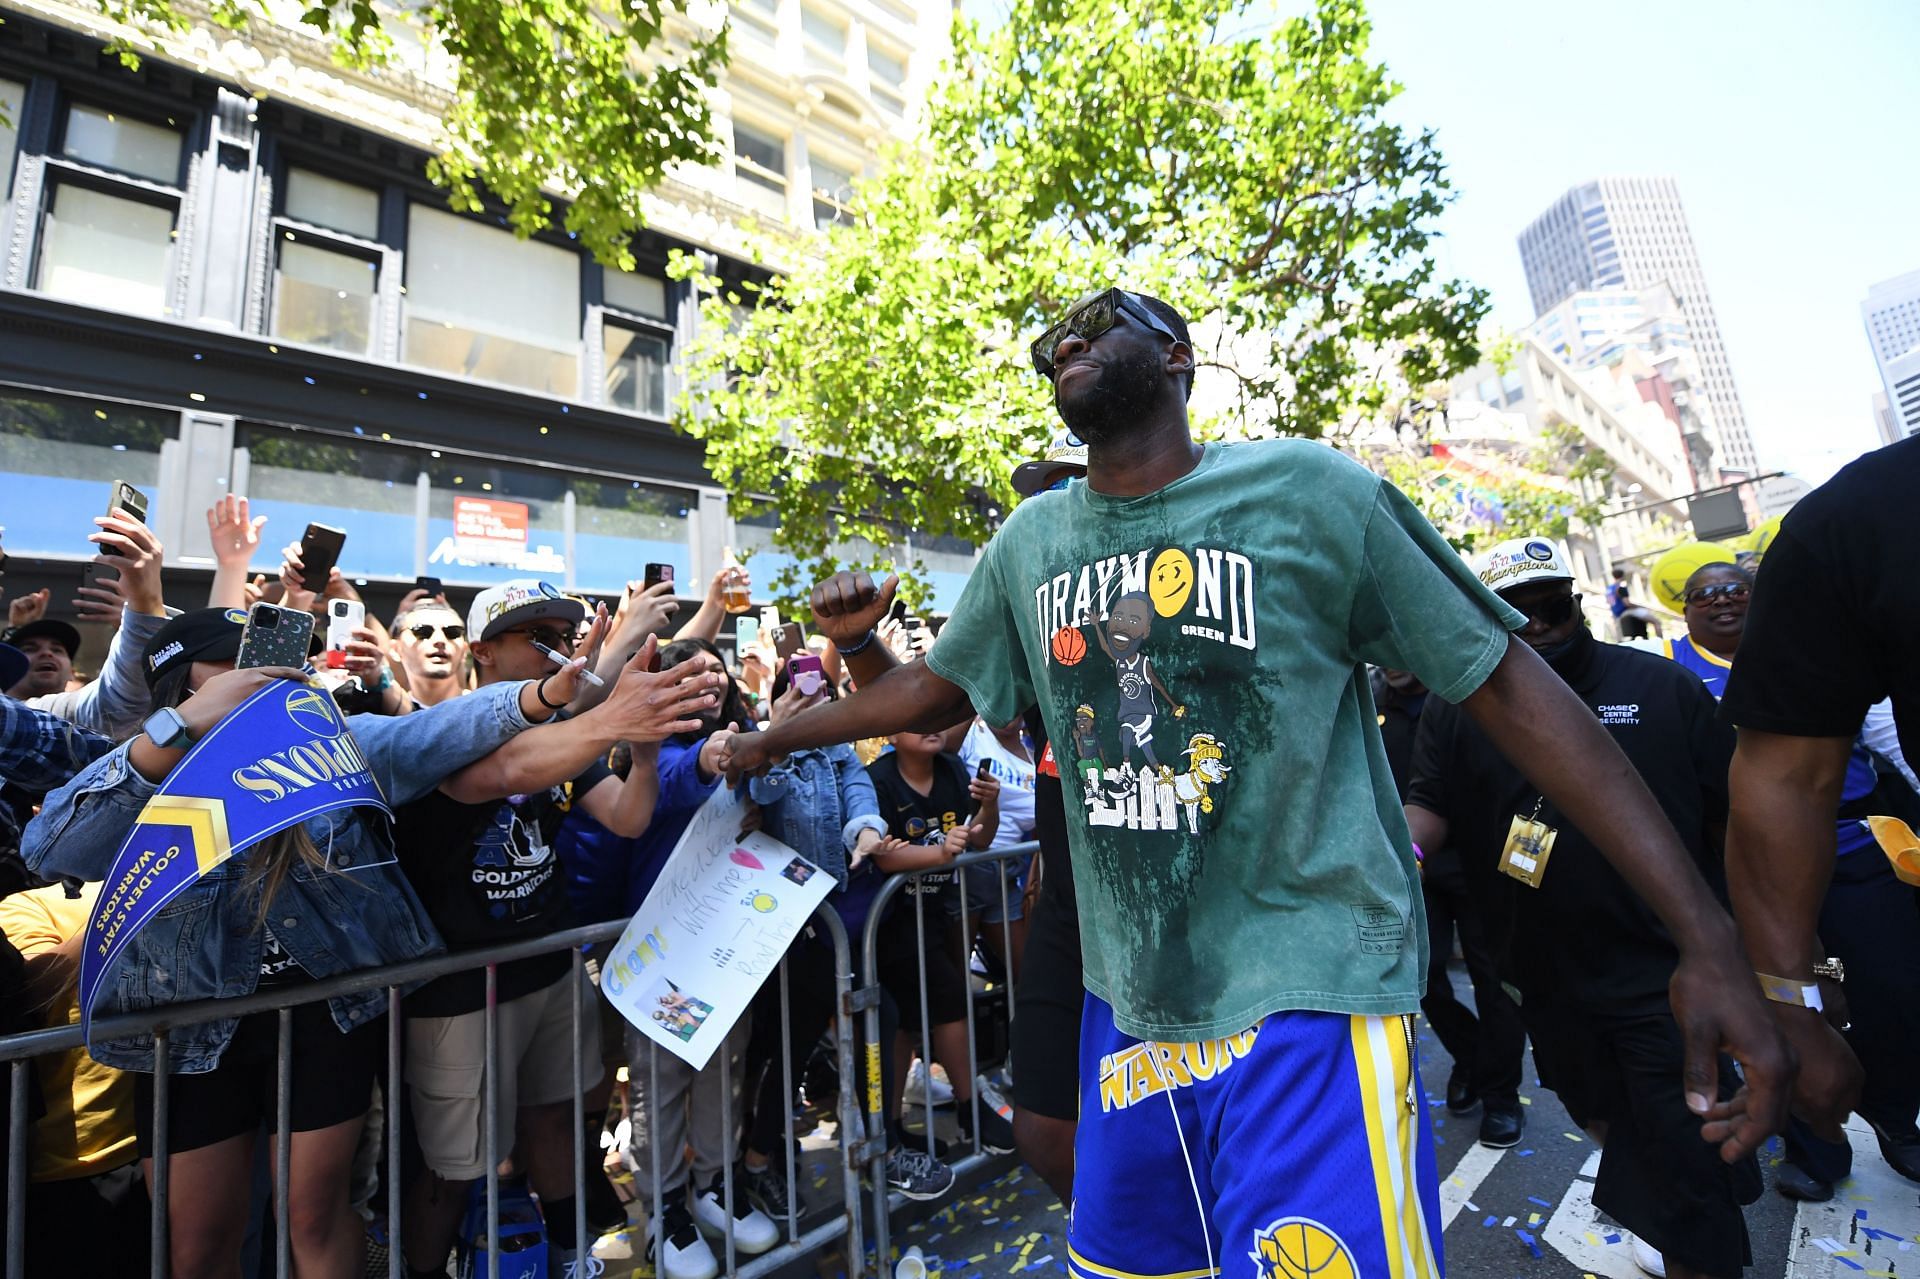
{"type": "Point", "coordinates": [1298, 1147]}
{"type": "Point", "coordinates": [1712, 670]}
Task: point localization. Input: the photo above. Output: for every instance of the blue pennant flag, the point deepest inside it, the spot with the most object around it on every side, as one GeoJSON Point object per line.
{"type": "Point", "coordinates": [282, 756]}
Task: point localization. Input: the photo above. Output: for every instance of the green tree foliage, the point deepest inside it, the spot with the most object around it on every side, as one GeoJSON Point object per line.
{"type": "Point", "coordinates": [1474, 511]}
{"type": "Point", "coordinates": [1247, 175]}
{"type": "Point", "coordinates": [586, 96]}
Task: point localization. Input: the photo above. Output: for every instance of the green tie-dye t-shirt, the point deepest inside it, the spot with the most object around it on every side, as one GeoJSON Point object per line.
{"type": "Point", "coordinates": [1198, 654]}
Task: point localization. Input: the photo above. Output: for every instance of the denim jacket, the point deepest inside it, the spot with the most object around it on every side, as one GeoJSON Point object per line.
{"type": "Point", "coordinates": [205, 943]}
{"type": "Point", "coordinates": [817, 803]}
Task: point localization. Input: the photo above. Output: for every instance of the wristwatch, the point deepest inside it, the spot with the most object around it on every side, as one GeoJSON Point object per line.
{"type": "Point", "coordinates": [166, 729]}
{"type": "Point", "coordinates": [1784, 990]}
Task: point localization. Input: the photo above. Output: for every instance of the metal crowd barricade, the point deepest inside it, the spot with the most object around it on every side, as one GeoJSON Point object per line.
{"type": "Point", "coordinates": [874, 1154]}
{"type": "Point", "coordinates": [860, 1129]}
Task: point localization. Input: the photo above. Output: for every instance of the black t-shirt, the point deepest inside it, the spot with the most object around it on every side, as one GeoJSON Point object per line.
{"type": "Point", "coordinates": [487, 874]}
{"type": "Point", "coordinates": [923, 819]}
{"type": "Point", "coordinates": [1583, 934]}
{"type": "Point", "coordinates": [1835, 613]}
{"type": "Point", "coordinates": [277, 966]}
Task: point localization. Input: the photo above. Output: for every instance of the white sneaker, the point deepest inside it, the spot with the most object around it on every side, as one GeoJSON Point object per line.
{"type": "Point", "coordinates": [685, 1254]}
{"type": "Point", "coordinates": [1648, 1258]}
{"type": "Point", "coordinates": [753, 1231]}
{"type": "Point", "coordinates": [918, 1081]}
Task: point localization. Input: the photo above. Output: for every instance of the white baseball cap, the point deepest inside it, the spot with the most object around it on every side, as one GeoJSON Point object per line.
{"type": "Point", "coordinates": [1520, 561]}
{"type": "Point", "coordinates": [503, 607]}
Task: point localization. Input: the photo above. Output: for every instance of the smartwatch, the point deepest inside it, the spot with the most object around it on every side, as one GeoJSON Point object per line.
{"type": "Point", "coordinates": [166, 729]}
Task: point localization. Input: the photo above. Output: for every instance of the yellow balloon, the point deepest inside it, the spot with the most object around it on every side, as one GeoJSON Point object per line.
{"type": "Point", "coordinates": [1671, 571]}
{"type": "Point", "coordinates": [1761, 538]}
{"type": "Point", "coordinates": [1170, 581]}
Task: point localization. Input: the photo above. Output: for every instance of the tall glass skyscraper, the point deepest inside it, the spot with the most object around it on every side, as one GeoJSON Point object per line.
{"type": "Point", "coordinates": [1633, 232]}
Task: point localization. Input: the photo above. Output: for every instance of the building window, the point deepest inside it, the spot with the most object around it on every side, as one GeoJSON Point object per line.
{"type": "Point", "coordinates": [523, 329]}
{"type": "Point", "coordinates": [887, 79]}
{"type": "Point", "coordinates": [13, 98]}
{"type": "Point", "coordinates": [105, 250]}
{"type": "Point", "coordinates": [636, 292]}
{"type": "Point", "coordinates": [112, 141]}
{"type": "Point", "coordinates": [326, 279]}
{"type": "Point", "coordinates": [758, 19]}
{"type": "Point", "coordinates": [760, 161]}
{"type": "Point", "coordinates": [636, 368]}
{"type": "Point", "coordinates": [58, 454]}
{"type": "Point", "coordinates": [324, 297]}
{"type": "Point", "coordinates": [832, 194]}
{"type": "Point", "coordinates": [321, 201]}
{"type": "Point", "coordinates": [825, 39]}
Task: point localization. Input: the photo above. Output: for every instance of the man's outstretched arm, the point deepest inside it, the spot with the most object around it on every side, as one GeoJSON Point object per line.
{"type": "Point", "coordinates": [1780, 851]}
{"type": "Point", "coordinates": [1554, 739]}
{"type": "Point", "coordinates": [906, 698]}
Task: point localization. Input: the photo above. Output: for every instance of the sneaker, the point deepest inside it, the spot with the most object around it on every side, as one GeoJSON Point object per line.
{"type": "Point", "coordinates": [996, 1134]}
{"type": "Point", "coordinates": [574, 1266]}
{"type": "Point", "coordinates": [685, 1254]}
{"type": "Point", "coordinates": [920, 1080]}
{"type": "Point", "coordinates": [916, 1174]}
{"type": "Point", "coordinates": [1648, 1258]}
{"type": "Point", "coordinates": [753, 1231]}
{"type": "Point", "coordinates": [767, 1188]}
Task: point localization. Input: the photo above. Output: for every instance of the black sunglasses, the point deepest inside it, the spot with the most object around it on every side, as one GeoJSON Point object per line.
{"type": "Point", "coordinates": [1091, 318]}
{"type": "Point", "coordinates": [1548, 612]}
{"type": "Point", "coordinates": [1733, 592]}
{"type": "Point", "coordinates": [551, 638]}
{"type": "Point", "coordinates": [423, 631]}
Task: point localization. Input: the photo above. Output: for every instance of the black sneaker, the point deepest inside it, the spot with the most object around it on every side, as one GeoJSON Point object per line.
{"type": "Point", "coordinates": [767, 1188]}
{"type": "Point", "coordinates": [996, 1134]}
{"type": "Point", "coordinates": [917, 1174]}
{"type": "Point", "coordinates": [1501, 1125]}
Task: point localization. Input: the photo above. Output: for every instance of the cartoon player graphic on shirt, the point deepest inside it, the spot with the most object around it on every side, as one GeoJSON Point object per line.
{"type": "Point", "coordinates": [1123, 638]}
{"type": "Point", "coordinates": [1090, 760]}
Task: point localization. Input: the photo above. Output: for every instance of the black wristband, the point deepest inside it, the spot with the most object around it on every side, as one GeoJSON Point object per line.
{"type": "Point", "coordinates": [540, 692]}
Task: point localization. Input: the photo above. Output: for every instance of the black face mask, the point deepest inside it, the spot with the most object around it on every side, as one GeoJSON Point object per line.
{"type": "Point", "coordinates": [1568, 650]}
{"type": "Point", "coordinates": [1117, 403]}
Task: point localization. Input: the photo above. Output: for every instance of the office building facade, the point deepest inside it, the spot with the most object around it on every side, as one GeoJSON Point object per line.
{"type": "Point", "coordinates": [1891, 313]}
{"type": "Point", "coordinates": [1632, 232]}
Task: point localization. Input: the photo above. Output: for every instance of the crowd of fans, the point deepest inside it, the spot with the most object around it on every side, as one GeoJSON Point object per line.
{"type": "Point", "coordinates": [542, 757]}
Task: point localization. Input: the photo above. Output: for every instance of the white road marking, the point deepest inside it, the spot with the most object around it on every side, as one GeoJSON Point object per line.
{"type": "Point", "coordinates": [1458, 1186]}
{"type": "Point", "coordinates": [1576, 1232]}
{"type": "Point", "coordinates": [1867, 1230]}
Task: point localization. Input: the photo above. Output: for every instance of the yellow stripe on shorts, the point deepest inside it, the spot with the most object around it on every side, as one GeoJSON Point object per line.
{"type": "Point", "coordinates": [1393, 1135]}
{"type": "Point", "coordinates": [1094, 1270]}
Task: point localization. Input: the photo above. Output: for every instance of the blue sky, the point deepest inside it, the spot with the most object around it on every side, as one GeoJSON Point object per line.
{"type": "Point", "coordinates": [1792, 128]}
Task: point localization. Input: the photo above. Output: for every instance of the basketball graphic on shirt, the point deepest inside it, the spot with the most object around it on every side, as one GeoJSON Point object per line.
{"type": "Point", "coordinates": [1069, 646]}
{"type": "Point", "coordinates": [1299, 1248]}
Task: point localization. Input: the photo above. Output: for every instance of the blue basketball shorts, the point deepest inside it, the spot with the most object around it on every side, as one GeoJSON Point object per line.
{"type": "Point", "coordinates": [1296, 1149]}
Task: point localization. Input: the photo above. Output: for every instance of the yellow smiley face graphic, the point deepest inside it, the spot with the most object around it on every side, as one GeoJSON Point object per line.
{"type": "Point", "coordinates": [1170, 581]}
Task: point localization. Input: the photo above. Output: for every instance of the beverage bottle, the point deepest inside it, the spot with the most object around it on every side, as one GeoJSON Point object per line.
{"type": "Point", "coordinates": [734, 592]}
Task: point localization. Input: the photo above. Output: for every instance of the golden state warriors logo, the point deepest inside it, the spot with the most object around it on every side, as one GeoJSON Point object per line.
{"type": "Point", "coordinates": [1300, 1248]}
{"type": "Point", "coordinates": [312, 711]}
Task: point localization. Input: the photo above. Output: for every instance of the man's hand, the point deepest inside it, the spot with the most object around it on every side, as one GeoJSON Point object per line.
{"type": "Point", "coordinates": [364, 656]}
{"type": "Point", "coordinates": [848, 605]}
{"type": "Point", "coordinates": [651, 706]}
{"type": "Point", "coordinates": [985, 790]}
{"type": "Point", "coordinates": [129, 547]}
{"type": "Point", "coordinates": [235, 534]}
{"type": "Point", "coordinates": [30, 607]}
{"type": "Point", "coordinates": [1719, 1008]}
{"type": "Point", "coordinates": [717, 588]}
{"type": "Point", "coordinates": [644, 610]}
{"type": "Point", "coordinates": [713, 748]}
{"type": "Point", "coordinates": [412, 598]}
{"type": "Point", "coordinates": [745, 755]}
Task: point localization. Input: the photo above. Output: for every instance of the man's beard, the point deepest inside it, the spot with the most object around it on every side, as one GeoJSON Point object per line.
{"type": "Point", "coordinates": [1116, 405]}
